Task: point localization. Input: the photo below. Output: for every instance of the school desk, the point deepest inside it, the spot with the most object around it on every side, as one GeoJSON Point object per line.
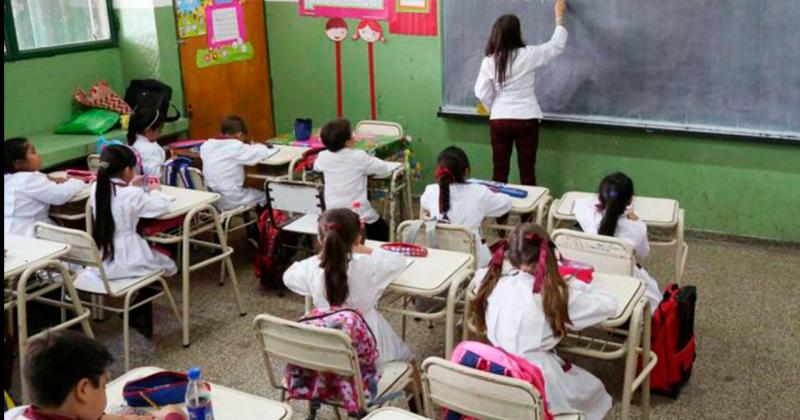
{"type": "Point", "coordinates": [429, 277]}
{"type": "Point", "coordinates": [632, 325]}
{"type": "Point", "coordinates": [200, 217]}
{"type": "Point", "coordinates": [663, 214]}
{"type": "Point", "coordinates": [535, 202]}
{"type": "Point", "coordinates": [228, 403]}
{"type": "Point", "coordinates": [392, 413]}
{"type": "Point", "coordinates": [73, 209]}
{"type": "Point", "coordinates": [27, 256]}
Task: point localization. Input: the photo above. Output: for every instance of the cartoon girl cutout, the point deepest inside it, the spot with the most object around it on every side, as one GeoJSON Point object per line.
{"type": "Point", "coordinates": [370, 31]}
{"type": "Point", "coordinates": [336, 31]}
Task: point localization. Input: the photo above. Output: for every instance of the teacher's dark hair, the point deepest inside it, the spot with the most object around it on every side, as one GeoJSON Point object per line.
{"type": "Point", "coordinates": [506, 37]}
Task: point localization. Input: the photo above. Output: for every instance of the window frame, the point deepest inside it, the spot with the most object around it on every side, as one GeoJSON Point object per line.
{"type": "Point", "coordinates": [14, 54]}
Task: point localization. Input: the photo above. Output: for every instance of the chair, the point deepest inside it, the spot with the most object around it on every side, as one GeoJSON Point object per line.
{"type": "Point", "coordinates": [93, 162]}
{"type": "Point", "coordinates": [303, 201]}
{"type": "Point", "coordinates": [379, 128]}
{"type": "Point", "coordinates": [481, 395]}
{"type": "Point", "coordinates": [392, 413]}
{"type": "Point", "coordinates": [226, 217]}
{"type": "Point", "coordinates": [606, 253]}
{"type": "Point", "coordinates": [83, 252]}
{"type": "Point", "coordinates": [324, 350]}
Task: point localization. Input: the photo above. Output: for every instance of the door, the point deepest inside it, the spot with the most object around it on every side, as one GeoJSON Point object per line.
{"type": "Point", "coordinates": [240, 87]}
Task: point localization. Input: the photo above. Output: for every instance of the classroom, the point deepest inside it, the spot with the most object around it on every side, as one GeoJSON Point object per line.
{"type": "Point", "coordinates": [401, 209]}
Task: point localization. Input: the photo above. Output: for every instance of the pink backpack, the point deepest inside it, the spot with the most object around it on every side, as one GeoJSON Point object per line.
{"type": "Point", "coordinates": [491, 359]}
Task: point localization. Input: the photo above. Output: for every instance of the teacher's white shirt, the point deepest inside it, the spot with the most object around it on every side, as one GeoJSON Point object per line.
{"type": "Point", "coordinates": [517, 99]}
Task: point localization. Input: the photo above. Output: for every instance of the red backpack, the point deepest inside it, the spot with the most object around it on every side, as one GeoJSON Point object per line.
{"type": "Point", "coordinates": [673, 340]}
{"type": "Point", "coordinates": [272, 258]}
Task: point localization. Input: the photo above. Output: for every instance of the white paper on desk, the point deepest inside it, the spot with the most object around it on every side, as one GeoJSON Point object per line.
{"type": "Point", "coordinates": [272, 152]}
{"type": "Point", "coordinates": [163, 195]}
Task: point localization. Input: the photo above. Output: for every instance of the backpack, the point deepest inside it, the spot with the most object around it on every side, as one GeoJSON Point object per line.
{"type": "Point", "coordinates": [314, 386]}
{"type": "Point", "coordinates": [673, 340]}
{"type": "Point", "coordinates": [272, 258]}
{"type": "Point", "coordinates": [495, 360]}
{"type": "Point", "coordinates": [178, 167]}
{"type": "Point", "coordinates": [151, 93]}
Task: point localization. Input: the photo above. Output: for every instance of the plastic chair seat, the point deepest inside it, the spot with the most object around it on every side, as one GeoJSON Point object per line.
{"type": "Point", "coordinates": [89, 281]}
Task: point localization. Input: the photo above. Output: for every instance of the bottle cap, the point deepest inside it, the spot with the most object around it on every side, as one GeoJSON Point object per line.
{"type": "Point", "coordinates": [193, 373]}
{"type": "Point", "coordinates": [356, 204]}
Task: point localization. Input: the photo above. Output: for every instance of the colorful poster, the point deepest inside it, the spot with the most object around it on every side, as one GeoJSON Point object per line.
{"type": "Point", "coordinates": [225, 25]}
{"type": "Point", "coordinates": [357, 9]}
{"type": "Point", "coordinates": [224, 55]}
{"type": "Point", "coordinates": [414, 17]}
{"type": "Point", "coordinates": [190, 17]}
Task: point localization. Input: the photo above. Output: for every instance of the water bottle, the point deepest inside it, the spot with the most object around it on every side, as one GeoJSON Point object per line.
{"type": "Point", "coordinates": [198, 399]}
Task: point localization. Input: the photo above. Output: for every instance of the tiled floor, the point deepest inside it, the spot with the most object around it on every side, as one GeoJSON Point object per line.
{"type": "Point", "coordinates": [748, 332]}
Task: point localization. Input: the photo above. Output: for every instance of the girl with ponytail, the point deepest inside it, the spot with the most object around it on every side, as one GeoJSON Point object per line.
{"type": "Point", "coordinates": [144, 130]}
{"type": "Point", "coordinates": [117, 206]}
{"type": "Point", "coordinates": [347, 273]}
{"type": "Point", "coordinates": [611, 214]}
{"type": "Point", "coordinates": [526, 311]}
{"type": "Point", "coordinates": [453, 200]}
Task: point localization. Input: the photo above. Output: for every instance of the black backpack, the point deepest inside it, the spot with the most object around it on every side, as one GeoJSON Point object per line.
{"type": "Point", "coordinates": [152, 93]}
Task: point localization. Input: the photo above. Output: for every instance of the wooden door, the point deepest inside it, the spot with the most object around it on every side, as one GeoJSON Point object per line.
{"type": "Point", "coordinates": [241, 88]}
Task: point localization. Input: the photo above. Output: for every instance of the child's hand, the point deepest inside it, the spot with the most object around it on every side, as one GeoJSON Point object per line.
{"type": "Point", "coordinates": [631, 215]}
{"type": "Point", "coordinates": [57, 179]}
{"type": "Point", "coordinates": [153, 187]}
{"type": "Point", "coordinates": [172, 153]}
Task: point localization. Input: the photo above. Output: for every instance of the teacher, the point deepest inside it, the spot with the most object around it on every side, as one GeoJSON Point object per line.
{"type": "Point", "coordinates": [505, 87]}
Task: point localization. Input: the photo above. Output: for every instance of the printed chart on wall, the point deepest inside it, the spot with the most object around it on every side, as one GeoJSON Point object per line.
{"type": "Point", "coordinates": [357, 9]}
{"type": "Point", "coordinates": [414, 17]}
{"type": "Point", "coordinates": [225, 29]}
{"type": "Point", "coordinates": [190, 17]}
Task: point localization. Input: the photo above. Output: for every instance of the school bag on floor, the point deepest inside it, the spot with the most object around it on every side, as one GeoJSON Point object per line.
{"type": "Point", "coordinates": [673, 340]}
{"type": "Point", "coordinates": [272, 258]}
{"type": "Point", "coordinates": [152, 93]}
{"type": "Point", "coordinates": [311, 385]}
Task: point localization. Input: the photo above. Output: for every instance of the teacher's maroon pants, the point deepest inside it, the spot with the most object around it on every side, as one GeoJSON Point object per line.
{"type": "Point", "coordinates": [504, 133]}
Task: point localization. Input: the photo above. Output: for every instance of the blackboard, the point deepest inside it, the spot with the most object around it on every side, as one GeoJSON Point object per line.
{"type": "Point", "coordinates": [719, 66]}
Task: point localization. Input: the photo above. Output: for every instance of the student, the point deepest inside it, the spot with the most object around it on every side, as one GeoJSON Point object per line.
{"type": "Point", "coordinates": [28, 193]}
{"type": "Point", "coordinates": [66, 374]}
{"type": "Point", "coordinates": [611, 214]}
{"type": "Point", "coordinates": [224, 159]}
{"type": "Point", "coordinates": [351, 274]}
{"type": "Point", "coordinates": [118, 205]}
{"type": "Point", "coordinates": [345, 170]}
{"type": "Point", "coordinates": [455, 201]}
{"type": "Point", "coordinates": [144, 130]}
{"type": "Point", "coordinates": [525, 311]}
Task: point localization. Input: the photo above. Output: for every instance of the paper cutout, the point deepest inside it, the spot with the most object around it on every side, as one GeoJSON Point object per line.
{"type": "Point", "coordinates": [371, 32]}
{"type": "Point", "coordinates": [223, 55]}
{"type": "Point", "coordinates": [357, 9]}
{"type": "Point", "coordinates": [225, 25]}
{"type": "Point", "coordinates": [190, 17]}
{"type": "Point", "coordinates": [336, 31]}
{"type": "Point", "coordinates": [411, 17]}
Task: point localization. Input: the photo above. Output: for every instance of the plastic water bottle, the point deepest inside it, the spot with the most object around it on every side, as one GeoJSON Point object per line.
{"type": "Point", "coordinates": [198, 399]}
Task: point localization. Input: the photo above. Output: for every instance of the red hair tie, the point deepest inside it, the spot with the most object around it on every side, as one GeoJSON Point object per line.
{"type": "Point", "coordinates": [441, 171]}
{"type": "Point", "coordinates": [498, 256]}
{"type": "Point", "coordinates": [541, 269]}
{"type": "Point", "coordinates": [331, 226]}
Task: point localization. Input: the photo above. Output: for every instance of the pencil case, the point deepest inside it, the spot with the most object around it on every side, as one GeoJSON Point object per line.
{"type": "Point", "coordinates": [403, 248]}
{"type": "Point", "coordinates": [85, 176]}
{"type": "Point", "coordinates": [580, 270]}
{"type": "Point", "coordinates": [162, 388]}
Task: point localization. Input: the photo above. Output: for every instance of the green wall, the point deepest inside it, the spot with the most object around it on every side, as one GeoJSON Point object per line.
{"type": "Point", "coordinates": [37, 93]}
{"type": "Point", "coordinates": [726, 185]}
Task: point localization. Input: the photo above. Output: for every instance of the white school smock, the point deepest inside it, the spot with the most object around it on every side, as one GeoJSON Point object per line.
{"type": "Point", "coordinates": [16, 413]}
{"type": "Point", "coordinates": [27, 197]}
{"type": "Point", "coordinates": [469, 205]}
{"type": "Point", "coordinates": [133, 257]}
{"type": "Point", "coordinates": [516, 100]}
{"type": "Point", "coordinates": [367, 277]}
{"type": "Point", "coordinates": [634, 232]}
{"type": "Point", "coordinates": [152, 154]}
{"type": "Point", "coordinates": [345, 174]}
{"type": "Point", "coordinates": [515, 322]}
{"type": "Point", "coordinates": [223, 167]}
